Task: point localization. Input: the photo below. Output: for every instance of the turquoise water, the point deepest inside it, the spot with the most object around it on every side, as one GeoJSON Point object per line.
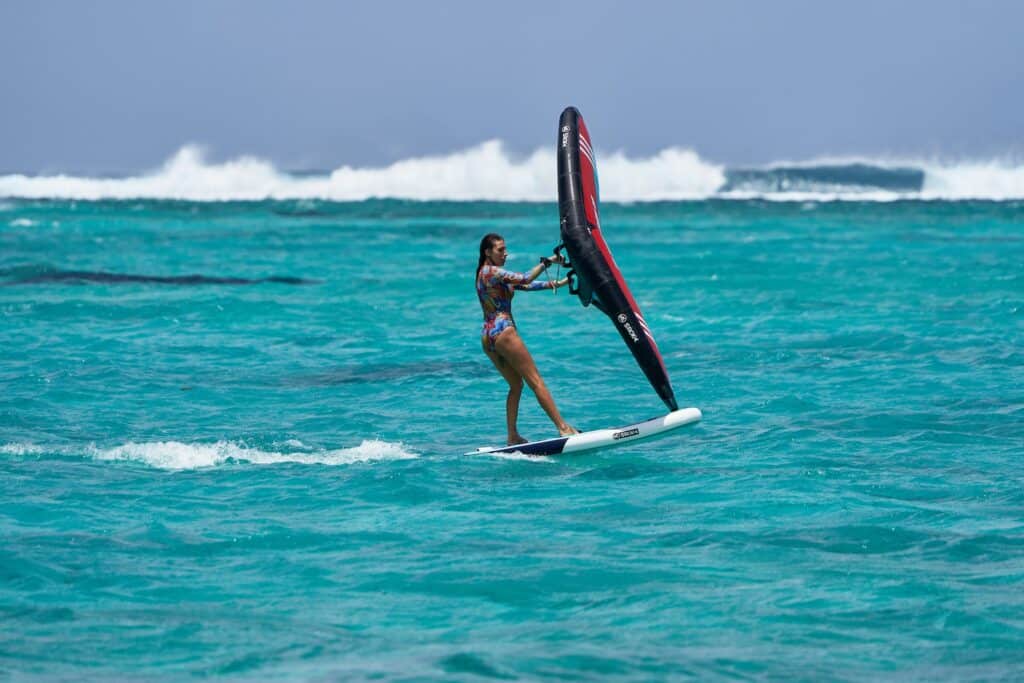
{"type": "Point", "coordinates": [255, 473]}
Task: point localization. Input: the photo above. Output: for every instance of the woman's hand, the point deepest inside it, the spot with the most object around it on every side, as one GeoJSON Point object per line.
{"type": "Point", "coordinates": [546, 261]}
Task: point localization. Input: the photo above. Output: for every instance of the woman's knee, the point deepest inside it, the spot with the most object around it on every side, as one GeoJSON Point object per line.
{"type": "Point", "coordinates": [515, 386]}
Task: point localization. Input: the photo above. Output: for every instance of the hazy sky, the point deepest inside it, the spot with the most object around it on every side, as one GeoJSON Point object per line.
{"type": "Point", "coordinates": [119, 86]}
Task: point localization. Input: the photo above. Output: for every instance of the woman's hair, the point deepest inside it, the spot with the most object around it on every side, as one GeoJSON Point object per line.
{"type": "Point", "coordinates": [486, 243]}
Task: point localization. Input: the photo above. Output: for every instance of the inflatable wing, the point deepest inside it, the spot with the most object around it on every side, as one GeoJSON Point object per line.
{"type": "Point", "coordinates": [594, 276]}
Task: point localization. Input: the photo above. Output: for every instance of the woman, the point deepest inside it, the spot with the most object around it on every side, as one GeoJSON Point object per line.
{"type": "Point", "coordinates": [502, 344]}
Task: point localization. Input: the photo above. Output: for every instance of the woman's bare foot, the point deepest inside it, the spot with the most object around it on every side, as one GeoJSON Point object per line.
{"type": "Point", "coordinates": [516, 439]}
{"type": "Point", "coordinates": [567, 430]}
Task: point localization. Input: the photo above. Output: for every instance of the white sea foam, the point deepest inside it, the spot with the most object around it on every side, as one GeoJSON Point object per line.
{"type": "Point", "coordinates": [822, 195]}
{"type": "Point", "coordinates": [21, 449]}
{"type": "Point", "coordinates": [174, 455]}
{"type": "Point", "coordinates": [486, 172]}
{"type": "Point", "coordinates": [515, 455]}
{"type": "Point", "coordinates": [998, 180]}
{"type": "Point", "coordinates": [22, 223]}
{"type": "Point", "coordinates": [489, 172]}
{"type": "Point", "coordinates": [670, 174]}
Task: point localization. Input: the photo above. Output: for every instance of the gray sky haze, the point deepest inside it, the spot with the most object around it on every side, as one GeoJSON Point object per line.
{"type": "Point", "coordinates": [118, 86]}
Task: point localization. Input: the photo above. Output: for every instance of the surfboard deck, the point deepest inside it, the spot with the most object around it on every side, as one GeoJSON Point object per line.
{"type": "Point", "coordinates": [600, 438]}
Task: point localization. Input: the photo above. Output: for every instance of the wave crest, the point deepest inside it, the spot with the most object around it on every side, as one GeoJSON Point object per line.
{"type": "Point", "coordinates": [488, 172]}
{"type": "Point", "coordinates": [484, 172]}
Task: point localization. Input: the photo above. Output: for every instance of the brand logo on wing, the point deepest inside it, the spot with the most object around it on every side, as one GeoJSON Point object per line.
{"type": "Point", "coordinates": [626, 433]}
{"type": "Point", "coordinates": [624, 321]}
{"type": "Point", "coordinates": [565, 136]}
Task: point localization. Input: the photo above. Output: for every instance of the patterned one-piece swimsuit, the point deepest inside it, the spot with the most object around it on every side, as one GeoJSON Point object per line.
{"type": "Point", "coordinates": [495, 287]}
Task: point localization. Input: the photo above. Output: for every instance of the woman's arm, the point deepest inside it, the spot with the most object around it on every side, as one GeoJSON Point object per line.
{"type": "Point", "coordinates": [513, 278]}
{"type": "Point", "coordinates": [525, 280]}
{"type": "Point", "coordinates": [546, 284]}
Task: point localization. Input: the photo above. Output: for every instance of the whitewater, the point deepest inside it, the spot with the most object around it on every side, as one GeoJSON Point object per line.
{"type": "Point", "coordinates": [489, 171]}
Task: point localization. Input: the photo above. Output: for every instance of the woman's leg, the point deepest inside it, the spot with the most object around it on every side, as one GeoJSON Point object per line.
{"type": "Point", "coordinates": [515, 392]}
{"type": "Point", "coordinates": [513, 351]}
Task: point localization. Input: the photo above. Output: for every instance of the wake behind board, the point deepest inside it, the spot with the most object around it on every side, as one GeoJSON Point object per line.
{"type": "Point", "coordinates": [600, 438]}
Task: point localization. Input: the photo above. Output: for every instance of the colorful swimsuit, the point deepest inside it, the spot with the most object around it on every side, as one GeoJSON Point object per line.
{"type": "Point", "coordinates": [495, 287]}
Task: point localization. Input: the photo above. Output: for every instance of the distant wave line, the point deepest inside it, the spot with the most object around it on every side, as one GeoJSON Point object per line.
{"type": "Point", "coordinates": [488, 172]}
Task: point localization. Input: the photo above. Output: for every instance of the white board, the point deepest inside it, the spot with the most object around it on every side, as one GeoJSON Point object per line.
{"type": "Point", "coordinates": [600, 438]}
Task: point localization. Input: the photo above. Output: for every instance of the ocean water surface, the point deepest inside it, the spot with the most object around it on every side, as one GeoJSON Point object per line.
{"type": "Point", "coordinates": [231, 438]}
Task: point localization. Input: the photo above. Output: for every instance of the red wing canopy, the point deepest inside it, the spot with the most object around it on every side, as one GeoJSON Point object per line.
{"type": "Point", "coordinates": [598, 279]}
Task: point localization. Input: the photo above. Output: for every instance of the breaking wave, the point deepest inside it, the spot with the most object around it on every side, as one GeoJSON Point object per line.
{"type": "Point", "coordinates": [489, 172]}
